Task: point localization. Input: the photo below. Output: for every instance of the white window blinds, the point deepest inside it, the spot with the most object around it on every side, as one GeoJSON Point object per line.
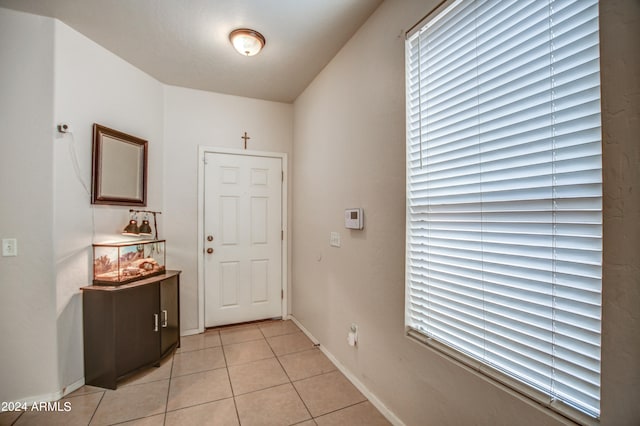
{"type": "Point", "coordinates": [504, 190]}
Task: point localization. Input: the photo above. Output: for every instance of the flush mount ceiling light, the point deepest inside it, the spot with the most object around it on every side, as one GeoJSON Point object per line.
{"type": "Point", "coordinates": [247, 42]}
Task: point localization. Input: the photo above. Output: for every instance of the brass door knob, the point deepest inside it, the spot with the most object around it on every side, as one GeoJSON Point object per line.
{"type": "Point", "coordinates": [210, 238]}
{"type": "Point", "coordinates": [209, 250]}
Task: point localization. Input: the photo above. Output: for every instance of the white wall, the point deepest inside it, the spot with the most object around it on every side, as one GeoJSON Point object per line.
{"type": "Point", "coordinates": [27, 284]}
{"type": "Point", "coordinates": [349, 133]}
{"type": "Point", "coordinates": [194, 118]}
{"type": "Point", "coordinates": [92, 85]}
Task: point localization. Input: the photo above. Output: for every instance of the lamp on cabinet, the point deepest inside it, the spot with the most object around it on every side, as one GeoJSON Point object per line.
{"type": "Point", "coordinates": [132, 229]}
{"type": "Point", "coordinates": [145, 228]}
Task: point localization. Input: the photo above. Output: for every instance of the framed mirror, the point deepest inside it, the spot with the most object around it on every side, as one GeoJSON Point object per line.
{"type": "Point", "coordinates": [119, 173]}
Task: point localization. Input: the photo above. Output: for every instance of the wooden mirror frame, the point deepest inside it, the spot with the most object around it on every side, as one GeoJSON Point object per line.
{"type": "Point", "coordinates": [119, 173]}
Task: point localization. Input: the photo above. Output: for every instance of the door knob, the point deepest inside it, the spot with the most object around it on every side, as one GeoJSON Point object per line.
{"type": "Point", "coordinates": [209, 250]}
{"type": "Point", "coordinates": [209, 237]}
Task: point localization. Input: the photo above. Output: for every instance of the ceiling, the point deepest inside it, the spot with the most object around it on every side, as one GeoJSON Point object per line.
{"type": "Point", "coordinates": [185, 43]}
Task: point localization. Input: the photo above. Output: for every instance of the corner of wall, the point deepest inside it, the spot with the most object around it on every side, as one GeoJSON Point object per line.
{"type": "Point", "coordinates": [27, 317]}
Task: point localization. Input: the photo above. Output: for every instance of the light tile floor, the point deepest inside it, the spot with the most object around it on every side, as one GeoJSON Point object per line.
{"type": "Point", "coordinates": [266, 373]}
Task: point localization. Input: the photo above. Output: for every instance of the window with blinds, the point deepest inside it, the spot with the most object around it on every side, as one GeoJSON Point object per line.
{"type": "Point", "coordinates": [504, 192]}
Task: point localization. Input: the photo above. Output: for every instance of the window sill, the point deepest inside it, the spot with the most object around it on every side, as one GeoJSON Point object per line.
{"type": "Point", "coordinates": [540, 400]}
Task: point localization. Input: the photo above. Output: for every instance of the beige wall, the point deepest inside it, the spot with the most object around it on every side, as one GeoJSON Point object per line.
{"type": "Point", "coordinates": [620, 71]}
{"type": "Point", "coordinates": [349, 152]}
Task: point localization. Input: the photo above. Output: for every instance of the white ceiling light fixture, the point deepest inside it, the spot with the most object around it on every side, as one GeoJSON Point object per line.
{"type": "Point", "coordinates": [247, 42]}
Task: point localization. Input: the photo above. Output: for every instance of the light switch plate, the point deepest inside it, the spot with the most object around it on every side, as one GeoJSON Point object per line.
{"type": "Point", "coordinates": [334, 239]}
{"type": "Point", "coordinates": [9, 247]}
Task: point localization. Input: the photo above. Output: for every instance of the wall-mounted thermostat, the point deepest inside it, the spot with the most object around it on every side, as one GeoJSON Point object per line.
{"type": "Point", "coordinates": [353, 219]}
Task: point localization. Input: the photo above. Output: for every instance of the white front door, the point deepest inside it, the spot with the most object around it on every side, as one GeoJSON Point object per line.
{"type": "Point", "coordinates": [242, 238]}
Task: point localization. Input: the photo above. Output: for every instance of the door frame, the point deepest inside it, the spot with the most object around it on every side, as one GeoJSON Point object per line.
{"type": "Point", "coordinates": [202, 151]}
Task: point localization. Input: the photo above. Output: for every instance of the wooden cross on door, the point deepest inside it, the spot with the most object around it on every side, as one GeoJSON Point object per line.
{"type": "Point", "coordinates": [245, 137]}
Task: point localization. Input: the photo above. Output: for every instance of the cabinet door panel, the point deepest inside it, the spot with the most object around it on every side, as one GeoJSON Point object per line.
{"type": "Point", "coordinates": [99, 339]}
{"type": "Point", "coordinates": [137, 342]}
{"type": "Point", "coordinates": [169, 313]}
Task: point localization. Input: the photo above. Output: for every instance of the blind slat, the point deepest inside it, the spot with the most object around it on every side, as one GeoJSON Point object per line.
{"type": "Point", "coordinates": [504, 190]}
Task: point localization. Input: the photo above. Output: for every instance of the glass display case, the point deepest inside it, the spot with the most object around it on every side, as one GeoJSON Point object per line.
{"type": "Point", "coordinates": [119, 263]}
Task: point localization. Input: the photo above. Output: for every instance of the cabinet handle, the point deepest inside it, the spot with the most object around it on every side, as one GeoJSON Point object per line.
{"type": "Point", "coordinates": [165, 322]}
{"type": "Point", "coordinates": [155, 322]}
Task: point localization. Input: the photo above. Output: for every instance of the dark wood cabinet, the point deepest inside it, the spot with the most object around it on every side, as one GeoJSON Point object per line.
{"type": "Point", "coordinates": [129, 327]}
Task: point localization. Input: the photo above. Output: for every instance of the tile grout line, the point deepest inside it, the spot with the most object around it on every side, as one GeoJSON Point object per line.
{"type": "Point", "coordinates": [200, 371]}
{"type": "Point", "coordinates": [313, 418]}
{"type": "Point", "coordinates": [164, 414]}
{"type": "Point", "coordinates": [226, 366]}
{"type": "Point", "coordinates": [249, 362]}
{"type": "Point", "coordinates": [203, 371]}
{"type": "Point", "coordinates": [97, 406]}
{"type": "Point", "coordinates": [343, 408]}
{"type": "Point", "coordinates": [187, 407]}
{"type": "Point", "coordinates": [291, 382]}
{"type": "Point", "coordinates": [166, 405]}
{"type": "Point", "coordinates": [314, 375]}
{"type": "Point", "coordinates": [172, 370]}
{"type": "Point", "coordinates": [17, 418]}
{"type": "Point", "coordinates": [188, 374]}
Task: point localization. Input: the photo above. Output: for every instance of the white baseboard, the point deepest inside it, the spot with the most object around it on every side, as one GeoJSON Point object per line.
{"type": "Point", "coordinates": [191, 332]}
{"type": "Point", "coordinates": [53, 396]}
{"type": "Point", "coordinates": [388, 414]}
{"type": "Point", "coordinates": [304, 330]}
{"type": "Point", "coordinates": [73, 387]}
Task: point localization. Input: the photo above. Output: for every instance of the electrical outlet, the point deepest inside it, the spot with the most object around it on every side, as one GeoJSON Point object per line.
{"type": "Point", "coordinates": [352, 336]}
{"type": "Point", "coordinates": [9, 247]}
{"type": "Point", "coordinates": [354, 328]}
